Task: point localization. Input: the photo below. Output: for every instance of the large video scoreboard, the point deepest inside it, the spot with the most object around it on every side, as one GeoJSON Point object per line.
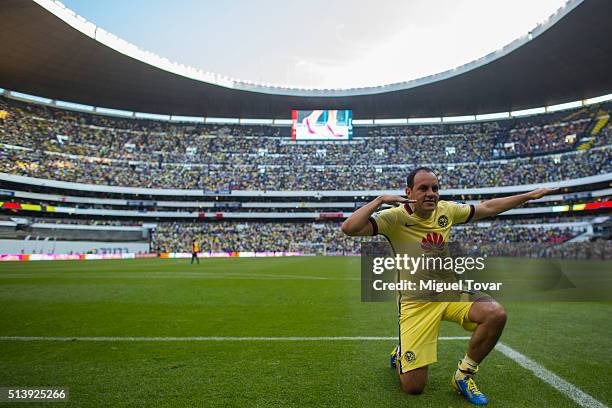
{"type": "Point", "coordinates": [322, 124]}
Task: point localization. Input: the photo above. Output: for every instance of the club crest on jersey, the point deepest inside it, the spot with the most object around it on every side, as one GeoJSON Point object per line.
{"type": "Point", "coordinates": [409, 357]}
{"type": "Point", "coordinates": [443, 221]}
{"type": "Point", "coordinates": [432, 242]}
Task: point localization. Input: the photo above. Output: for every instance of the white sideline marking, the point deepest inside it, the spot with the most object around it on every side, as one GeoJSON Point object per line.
{"type": "Point", "coordinates": [568, 389]}
{"type": "Point", "coordinates": [337, 338]}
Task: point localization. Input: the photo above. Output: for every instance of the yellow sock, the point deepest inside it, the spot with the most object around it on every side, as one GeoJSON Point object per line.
{"type": "Point", "coordinates": [466, 366]}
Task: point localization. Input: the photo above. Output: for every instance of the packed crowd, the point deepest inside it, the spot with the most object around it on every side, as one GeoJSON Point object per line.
{"type": "Point", "coordinates": [597, 250]}
{"type": "Point", "coordinates": [253, 236]}
{"type": "Point", "coordinates": [304, 177]}
{"type": "Point", "coordinates": [506, 239]}
{"type": "Point", "coordinates": [527, 170]}
{"type": "Point", "coordinates": [64, 145]}
{"type": "Point", "coordinates": [499, 239]}
{"type": "Point", "coordinates": [264, 144]}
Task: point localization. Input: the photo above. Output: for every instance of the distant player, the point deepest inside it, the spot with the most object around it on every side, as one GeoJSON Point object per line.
{"type": "Point", "coordinates": [418, 218]}
{"type": "Point", "coordinates": [194, 251]}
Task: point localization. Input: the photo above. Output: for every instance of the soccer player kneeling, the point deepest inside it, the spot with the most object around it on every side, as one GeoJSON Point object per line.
{"type": "Point", "coordinates": [424, 219]}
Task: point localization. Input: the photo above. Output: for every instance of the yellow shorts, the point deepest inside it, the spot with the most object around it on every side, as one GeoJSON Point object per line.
{"type": "Point", "coordinates": [419, 326]}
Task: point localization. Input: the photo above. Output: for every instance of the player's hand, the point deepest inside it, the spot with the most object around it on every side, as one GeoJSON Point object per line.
{"type": "Point", "coordinates": [395, 200]}
{"type": "Point", "coordinates": [541, 192]}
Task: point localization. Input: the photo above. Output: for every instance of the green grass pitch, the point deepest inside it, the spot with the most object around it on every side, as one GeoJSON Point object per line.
{"type": "Point", "coordinates": [279, 297]}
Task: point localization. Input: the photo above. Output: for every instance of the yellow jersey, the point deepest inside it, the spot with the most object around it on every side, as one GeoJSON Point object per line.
{"type": "Point", "coordinates": [415, 236]}
{"type": "Point", "coordinates": [400, 225]}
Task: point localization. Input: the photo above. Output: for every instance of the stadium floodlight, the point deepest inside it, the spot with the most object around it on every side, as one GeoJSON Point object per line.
{"type": "Point", "coordinates": [113, 112]}
{"type": "Point", "coordinates": [492, 116]}
{"type": "Point", "coordinates": [28, 97]}
{"type": "Point", "coordinates": [563, 106]}
{"type": "Point", "coordinates": [598, 99]}
{"type": "Point", "coordinates": [282, 122]}
{"type": "Point", "coordinates": [363, 122]}
{"type": "Point", "coordinates": [227, 121]}
{"type": "Point", "coordinates": [527, 112]}
{"type": "Point", "coordinates": [421, 121]}
{"type": "Point", "coordinates": [452, 119]}
{"type": "Point", "coordinates": [197, 119]}
{"type": "Point", "coordinates": [153, 116]}
{"type": "Point", "coordinates": [390, 121]}
{"type": "Point", "coordinates": [74, 106]}
{"type": "Point", "coordinates": [256, 121]}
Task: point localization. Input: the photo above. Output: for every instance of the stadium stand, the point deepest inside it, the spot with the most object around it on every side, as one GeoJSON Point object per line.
{"type": "Point", "coordinates": [556, 236]}
{"type": "Point", "coordinates": [174, 237]}
{"type": "Point", "coordinates": [63, 145]}
{"type": "Point", "coordinates": [86, 148]}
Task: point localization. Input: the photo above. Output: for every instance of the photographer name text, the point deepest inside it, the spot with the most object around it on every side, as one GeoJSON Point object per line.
{"type": "Point", "coordinates": [433, 285]}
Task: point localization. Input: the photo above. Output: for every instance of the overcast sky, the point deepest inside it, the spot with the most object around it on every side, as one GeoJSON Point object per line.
{"type": "Point", "coordinates": [321, 43]}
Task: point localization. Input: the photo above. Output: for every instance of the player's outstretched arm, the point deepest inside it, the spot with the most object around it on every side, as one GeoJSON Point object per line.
{"type": "Point", "coordinates": [493, 207]}
{"type": "Point", "coordinates": [358, 225]}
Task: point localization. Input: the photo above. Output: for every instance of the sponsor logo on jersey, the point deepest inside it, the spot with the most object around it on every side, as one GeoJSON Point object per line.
{"type": "Point", "coordinates": [432, 242]}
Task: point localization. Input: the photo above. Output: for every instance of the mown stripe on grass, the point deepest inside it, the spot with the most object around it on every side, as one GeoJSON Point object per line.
{"type": "Point", "coordinates": [214, 338]}
{"type": "Point", "coordinates": [569, 390]}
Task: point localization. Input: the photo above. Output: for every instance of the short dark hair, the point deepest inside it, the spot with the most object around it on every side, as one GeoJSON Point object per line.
{"type": "Point", "coordinates": [413, 173]}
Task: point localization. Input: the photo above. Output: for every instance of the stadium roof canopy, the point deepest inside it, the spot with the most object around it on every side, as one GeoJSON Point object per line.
{"type": "Point", "coordinates": [566, 59]}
